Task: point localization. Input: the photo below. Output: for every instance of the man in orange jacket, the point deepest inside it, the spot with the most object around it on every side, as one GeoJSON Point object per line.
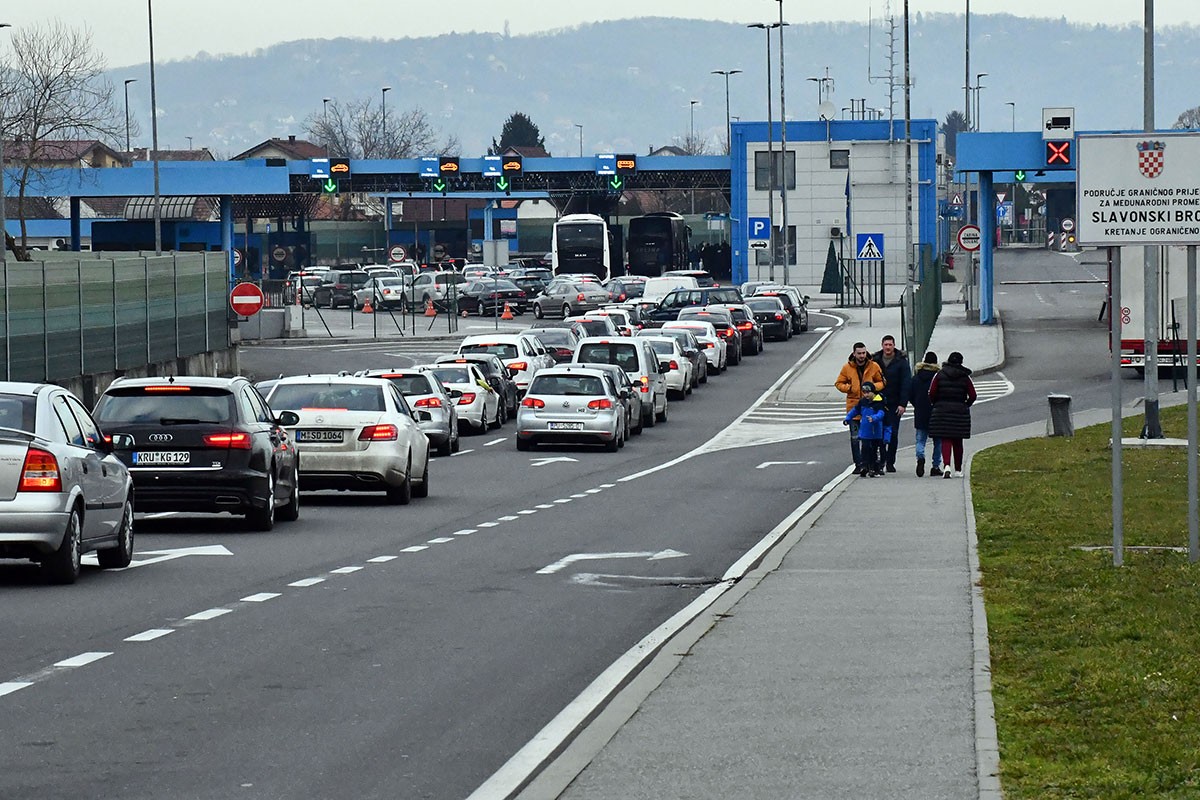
{"type": "Point", "coordinates": [859, 369]}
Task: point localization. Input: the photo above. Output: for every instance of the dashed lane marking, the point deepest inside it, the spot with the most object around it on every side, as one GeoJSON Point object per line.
{"type": "Point", "coordinates": [495, 441]}
{"type": "Point", "coordinates": [150, 635]}
{"type": "Point", "coordinates": [212, 613]}
{"type": "Point", "coordinates": [441, 540]}
{"type": "Point", "coordinates": [461, 453]}
{"type": "Point", "coordinates": [14, 686]}
{"type": "Point", "coordinates": [344, 570]}
{"type": "Point", "coordinates": [416, 548]}
{"type": "Point", "coordinates": [528, 511]}
{"type": "Point", "coordinates": [381, 559]}
{"type": "Point", "coordinates": [81, 660]}
{"type": "Point", "coordinates": [506, 518]}
{"type": "Point", "coordinates": [488, 524]}
{"type": "Point", "coordinates": [301, 584]}
{"type": "Point", "coordinates": [464, 532]}
{"type": "Point", "coordinates": [261, 597]}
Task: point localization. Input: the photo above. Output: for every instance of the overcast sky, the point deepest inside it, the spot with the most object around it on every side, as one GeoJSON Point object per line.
{"type": "Point", "coordinates": [182, 28]}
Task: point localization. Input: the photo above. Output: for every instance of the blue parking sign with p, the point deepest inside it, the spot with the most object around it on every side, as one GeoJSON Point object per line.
{"type": "Point", "coordinates": [759, 228]}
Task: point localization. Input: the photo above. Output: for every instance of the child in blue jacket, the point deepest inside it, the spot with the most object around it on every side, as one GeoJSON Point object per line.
{"type": "Point", "coordinates": [872, 433]}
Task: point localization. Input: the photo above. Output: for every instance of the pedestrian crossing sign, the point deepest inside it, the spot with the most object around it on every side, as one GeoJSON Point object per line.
{"type": "Point", "coordinates": [869, 247]}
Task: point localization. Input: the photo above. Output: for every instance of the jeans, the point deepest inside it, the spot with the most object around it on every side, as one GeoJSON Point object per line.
{"type": "Point", "coordinates": [922, 437]}
{"type": "Point", "coordinates": [855, 448]}
{"type": "Point", "coordinates": [872, 454]}
{"type": "Point", "coordinates": [888, 448]}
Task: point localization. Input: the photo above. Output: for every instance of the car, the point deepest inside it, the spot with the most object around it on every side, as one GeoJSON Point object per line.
{"type": "Point", "coordinates": [302, 284]}
{"type": "Point", "coordinates": [572, 403]}
{"type": "Point", "coordinates": [497, 376]}
{"type": "Point", "coordinates": [626, 287]}
{"type": "Point", "coordinates": [201, 444]}
{"type": "Point", "coordinates": [619, 316]}
{"type": "Point", "coordinates": [722, 320]}
{"type": "Point", "coordinates": [640, 363]}
{"type": "Point", "coordinates": [598, 325]}
{"type": "Point", "coordinates": [64, 491]}
{"type": "Point", "coordinates": [676, 368]}
{"type": "Point", "coordinates": [338, 286]}
{"type": "Point", "coordinates": [567, 298]}
{"type": "Point", "coordinates": [772, 316]}
{"type": "Point", "coordinates": [675, 301]}
{"type": "Point", "coordinates": [433, 405]}
{"type": "Point", "coordinates": [439, 287]}
{"type": "Point", "coordinates": [490, 296]}
{"type": "Point", "coordinates": [479, 405]}
{"type": "Point", "coordinates": [522, 355]}
{"type": "Point", "coordinates": [559, 341]}
{"type": "Point", "coordinates": [633, 402]}
{"type": "Point", "coordinates": [796, 303]}
{"type": "Point", "coordinates": [476, 271]}
{"type": "Point", "coordinates": [355, 434]}
{"type": "Point", "coordinates": [529, 268]}
{"type": "Point", "coordinates": [385, 293]}
{"type": "Point", "coordinates": [703, 278]}
{"type": "Point", "coordinates": [715, 346]}
{"type": "Point", "coordinates": [530, 285]}
{"type": "Point", "coordinates": [692, 349]}
{"type": "Point", "coordinates": [381, 271]}
{"type": "Point", "coordinates": [747, 326]}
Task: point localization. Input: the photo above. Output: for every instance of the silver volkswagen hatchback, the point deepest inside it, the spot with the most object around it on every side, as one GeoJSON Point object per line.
{"type": "Point", "coordinates": [62, 491]}
{"type": "Point", "coordinates": [576, 403]}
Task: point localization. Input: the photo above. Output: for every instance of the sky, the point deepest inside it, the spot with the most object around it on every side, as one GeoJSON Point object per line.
{"type": "Point", "coordinates": [182, 29]}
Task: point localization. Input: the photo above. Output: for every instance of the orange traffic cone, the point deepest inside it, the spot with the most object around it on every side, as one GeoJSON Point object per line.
{"type": "Point", "coordinates": [507, 312]}
{"type": "Point", "coordinates": [430, 311]}
{"type": "Point", "coordinates": [367, 307]}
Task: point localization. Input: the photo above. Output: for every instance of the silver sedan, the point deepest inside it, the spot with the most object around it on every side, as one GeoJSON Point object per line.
{"type": "Point", "coordinates": [572, 404]}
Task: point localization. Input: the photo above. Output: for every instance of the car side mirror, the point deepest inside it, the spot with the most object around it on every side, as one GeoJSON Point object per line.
{"type": "Point", "coordinates": [690, 352]}
{"type": "Point", "coordinates": [287, 419]}
{"type": "Point", "coordinates": [454, 394]}
{"type": "Point", "coordinates": [118, 441]}
{"type": "Point", "coordinates": [664, 366]}
{"type": "Point", "coordinates": [625, 394]}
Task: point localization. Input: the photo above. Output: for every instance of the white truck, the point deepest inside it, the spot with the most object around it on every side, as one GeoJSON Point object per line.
{"type": "Point", "coordinates": [1172, 307]}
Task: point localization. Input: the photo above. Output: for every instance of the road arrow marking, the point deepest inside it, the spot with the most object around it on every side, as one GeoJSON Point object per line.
{"type": "Point", "coordinates": [169, 555]}
{"type": "Point", "coordinates": [614, 581]}
{"type": "Point", "coordinates": [541, 462]}
{"type": "Point", "coordinates": [563, 563]}
{"type": "Point", "coordinates": [766, 464]}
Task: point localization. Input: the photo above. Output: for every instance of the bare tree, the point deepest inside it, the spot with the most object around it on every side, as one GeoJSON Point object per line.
{"type": "Point", "coordinates": [55, 91]}
{"type": "Point", "coordinates": [694, 145]}
{"type": "Point", "coordinates": [357, 129]}
{"type": "Point", "coordinates": [1188, 120]}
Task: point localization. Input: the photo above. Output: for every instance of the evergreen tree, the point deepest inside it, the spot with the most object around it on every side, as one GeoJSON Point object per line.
{"type": "Point", "coordinates": [518, 131]}
{"type": "Point", "coordinates": [955, 123]}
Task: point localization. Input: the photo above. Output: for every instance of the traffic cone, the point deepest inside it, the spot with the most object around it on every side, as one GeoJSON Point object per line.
{"type": "Point", "coordinates": [430, 311]}
{"type": "Point", "coordinates": [367, 307]}
{"type": "Point", "coordinates": [507, 312]}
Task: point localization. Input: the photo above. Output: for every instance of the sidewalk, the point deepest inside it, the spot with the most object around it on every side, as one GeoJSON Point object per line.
{"type": "Point", "coordinates": [852, 663]}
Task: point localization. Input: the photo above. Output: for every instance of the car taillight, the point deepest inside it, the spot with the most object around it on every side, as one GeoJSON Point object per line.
{"type": "Point", "coordinates": [779, 316]}
{"type": "Point", "coordinates": [379, 433]}
{"type": "Point", "coordinates": [533, 402]}
{"type": "Point", "coordinates": [645, 383]}
{"type": "Point", "coordinates": [428, 402]}
{"type": "Point", "coordinates": [40, 472]}
{"type": "Point", "coordinates": [728, 333]}
{"type": "Point", "coordinates": [621, 297]}
{"type": "Point", "coordinates": [673, 365]}
{"type": "Point", "coordinates": [580, 297]}
{"type": "Point", "coordinates": [598, 404]}
{"type": "Point", "coordinates": [745, 326]}
{"type": "Point", "coordinates": [466, 399]}
{"type": "Point", "coordinates": [235, 441]}
{"type": "Point", "coordinates": [518, 366]}
{"type": "Point", "coordinates": [709, 345]}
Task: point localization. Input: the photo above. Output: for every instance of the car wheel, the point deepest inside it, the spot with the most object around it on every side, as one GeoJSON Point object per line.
{"type": "Point", "coordinates": [457, 440]}
{"type": "Point", "coordinates": [120, 556]}
{"type": "Point", "coordinates": [62, 566]}
{"type": "Point", "coordinates": [662, 416]}
{"type": "Point", "coordinates": [356, 305]}
{"type": "Point", "coordinates": [495, 423]}
{"type": "Point", "coordinates": [648, 420]}
{"type": "Point", "coordinates": [613, 444]}
{"type": "Point", "coordinates": [566, 309]}
{"type": "Point", "coordinates": [523, 444]}
{"type": "Point", "coordinates": [290, 512]}
{"type": "Point", "coordinates": [402, 495]}
{"type": "Point", "coordinates": [263, 519]}
{"type": "Point", "coordinates": [422, 489]}
{"type": "Point", "coordinates": [447, 447]}
{"type": "Point", "coordinates": [537, 311]}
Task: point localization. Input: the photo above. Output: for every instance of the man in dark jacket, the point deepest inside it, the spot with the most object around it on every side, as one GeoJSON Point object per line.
{"type": "Point", "coordinates": [897, 376]}
{"type": "Point", "coordinates": [921, 408]}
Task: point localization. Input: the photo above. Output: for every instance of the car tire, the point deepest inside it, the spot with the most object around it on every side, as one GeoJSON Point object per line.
{"type": "Point", "coordinates": [63, 565]}
{"type": "Point", "coordinates": [263, 519]}
{"type": "Point", "coordinates": [290, 512]}
{"type": "Point", "coordinates": [649, 420]}
{"type": "Point", "coordinates": [496, 422]}
{"type": "Point", "coordinates": [613, 444]}
{"type": "Point", "coordinates": [566, 310]}
{"type": "Point", "coordinates": [524, 444]}
{"type": "Point", "coordinates": [446, 448]}
{"type": "Point", "coordinates": [120, 556]}
{"type": "Point", "coordinates": [537, 311]}
{"type": "Point", "coordinates": [402, 495]}
{"type": "Point", "coordinates": [422, 489]}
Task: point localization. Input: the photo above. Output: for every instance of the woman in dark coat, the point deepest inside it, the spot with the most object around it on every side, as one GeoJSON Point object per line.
{"type": "Point", "coordinates": [927, 368]}
{"type": "Point", "coordinates": [951, 393]}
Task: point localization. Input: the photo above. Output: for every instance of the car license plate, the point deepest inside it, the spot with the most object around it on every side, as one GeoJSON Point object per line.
{"type": "Point", "coordinates": [163, 457]}
{"type": "Point", "coordinates": [566, 426]}
{"type": "Point", "coordinates": [320, 436]}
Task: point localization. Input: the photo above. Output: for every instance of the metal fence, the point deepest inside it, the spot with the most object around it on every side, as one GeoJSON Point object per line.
{"type": "Point", "coordinates": [927, 304]}
{"type": "Point", "coordinates": [71, 314]}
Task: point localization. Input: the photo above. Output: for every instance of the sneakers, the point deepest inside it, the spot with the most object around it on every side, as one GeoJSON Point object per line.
{"type": "Point", "coordinates": [921, 468]}
{"type": "Point", "coordinates": [891, 467]}
{"type": "Point", "coordinates": [947, 474]}
{"type": "Point", "coordinates": [878, 473]}
{"type": "Point", "coordinates": [958, 473]}
{"type": "Point", "coordinates": [934, 473]}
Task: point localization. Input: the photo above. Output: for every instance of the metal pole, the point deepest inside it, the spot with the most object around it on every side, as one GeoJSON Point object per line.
{"type": "Point", "coordinates": [787, 243]}
{"type": "Point", "coordinates": [910, 333]}
{"type": "Point", "coordinates": [1152, 429]}
{"type": "Point", "coordinates": [1114, 344]}
{"type": "Point", "coordinates": [128, 147]}
{"type": "Point", "coordinates": [4, 225]}
{"type": "Point", "coordinates": [154, 135]}
{"type": "Point", "coordinates": [1193, 470]}
{"type": "Point", "coordinates": [770, 157]}
{"type": "Point", "coordinates": [580, 126]}
{"type": "Point", "coordinates": [383, 148]}
{"type": "Point", "coordinates": [967, 79]}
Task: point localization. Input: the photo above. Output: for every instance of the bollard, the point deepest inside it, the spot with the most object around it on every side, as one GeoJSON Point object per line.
{"type": "Point", "coordinates": [1060, 423]}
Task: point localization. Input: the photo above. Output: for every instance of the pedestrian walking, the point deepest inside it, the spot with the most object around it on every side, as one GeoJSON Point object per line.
{"type": "Point", "coordinates": [951, 394]}
{"type": "Point", "coordinates": [859, 368]}
{"type": "Point", "coordinates": [870, 412]}
{"type": "Point", "coordinates": [897, 376]}
{"type": "Point", "coordinates": [927, 368]}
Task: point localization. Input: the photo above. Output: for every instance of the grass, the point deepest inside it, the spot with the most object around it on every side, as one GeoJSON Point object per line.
{"type": "Point", "coordinates": [1095, 668]}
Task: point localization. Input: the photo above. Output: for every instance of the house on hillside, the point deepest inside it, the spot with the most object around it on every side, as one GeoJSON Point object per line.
{"type": "Point", "coordinates": [291, 148]}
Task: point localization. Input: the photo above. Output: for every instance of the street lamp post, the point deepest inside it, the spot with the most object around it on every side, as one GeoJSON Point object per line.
{"type": "Point", "coordinates": [1013, 106]}
{"type": "Point", "coordinates": [383, 136]}
{"type": "Point", "coordinates": [787, 244]}
{"type": "Point", "coordinates": [979, 76]}
{"type": "Point", "coordinates": [3, 222]}
{"type": "Point", "coordinates": [580, 126]}
{"type": "Point", "coordinates": [325, 122]}
{"type": "Point", "coordinates": [128, 81]}
{"type": "Point", "coordinates": [154, 134]}
{"type": "Point", "coordinates": [768, 27]}
{"type": "Point", "coordinates": [728, 129]}
{"type": "Point", "coordinates": [692, 123]}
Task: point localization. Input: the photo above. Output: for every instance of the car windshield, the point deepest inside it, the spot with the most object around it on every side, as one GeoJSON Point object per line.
{"type": "Point", "coordinates": [165, 404]}
{"type": "Point", "coordinates": [502, 349]}
{"type": "Point", "coordinates": [17, 412]}
{"type": "Point", "coordinates": [724, 295]}
{"type": "Point", "coordinates": [738, 315]}
{"type": "Point", "coordinates": [453, 374]}
{"type": "Point", "coordinates": [623, 354]}
{"type": "Point", "coordinates": [411, 384]}
{"type": "Point", "coordinates": [567, 385]}
{"type": "Point", "coordinates": [325, 396]}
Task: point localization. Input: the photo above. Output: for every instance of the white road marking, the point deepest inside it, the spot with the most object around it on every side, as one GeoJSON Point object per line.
{"type": "Point", "coordinates": [650, 555]}
{"type": "Point", "coordinates": [461, 453]}
{"type": "Point", "coordinates": [13, 686]}
{"type": "Point", "coordinates": [344, 570]}
{"type": "Point", "coordinates": [381, 559]}
{"type": "Point", "coordinates": [597, 491]}
{"type": "Point", "coordinates": [495, 441]}
{"type": "Point", "coordinates": [464, 532]}
{"type": "Point", "coordinates": [541, 462]}
{"type": "Point", "coordinates": [83, 659]}
{"type": "Point", "coordinates": [507, 518]}
{"type": "Point", "coordinates": [766, 464]}
{"type": "Point", "coordinates": [544, 506]}
{"type": "Point", "coordinates": [579, 496]}
{"type": "Point", "coordinates": [305, 582]}
{"type": "Point", "coordinates": [528, 511]}
{"type": "Point", "coordinates": [150, 635]}
{"type": "Point", "coordinates": [563, 500]}
{"type": "Point", "coordinates": [261, 597]}
{"type": "Point", "coordinates": [488, 524]}
{"type": "Point", "coordinates": [608, 486]}
{"type": "Point", "coordinates": [211, 613]}
{"type": "Point", "coordinates": [159, 514]}
{"type": "Point", "coordinates": [416, 548]}
{"type": "Point", "coordinates": [441, 540]}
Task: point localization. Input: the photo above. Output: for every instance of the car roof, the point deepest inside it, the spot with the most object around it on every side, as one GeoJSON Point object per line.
{"type": "Point", "coordinates": [498, 338]}
{"type": "Point", "coordinates": [21, 387]}
{"type": "Point", "coordinates": [569, 370]}
{"type": "Point", "coordinates": [332, 379]}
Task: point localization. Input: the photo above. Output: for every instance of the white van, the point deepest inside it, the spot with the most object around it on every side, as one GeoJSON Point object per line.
{"type": "Point", "coordinates": [640, 362]}
{"type": "Point", "coordinates": [658, 288]}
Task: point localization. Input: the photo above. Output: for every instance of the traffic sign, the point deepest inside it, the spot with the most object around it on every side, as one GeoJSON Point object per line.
{"type": "Point", "coordinates": [1068, 225]}
{"type": "Point", "coordinates": [430, 166]}
{"type": "Point", "coordinates": [492, 167]}
{"type": "Point", "coordinates": [330, 186]}
{"type": "Point", "coordinates": [1003, 211]}
{"type": "Point", "coordinates": [606, 164]}
{"type": "Point", "coordinates": [869, 246]}
{"type": "Point", "coordinates": [237, 257]}
{"type": "Point", "coordinates": [957, 201]}
{"type": "Point", "coordinates": [246, 299]}
{"type": "Point", "coordinates": [1020, 176]}
{"type": "Point", "coordinates": [503, 184]}
{"type": "Point", "coordinates": [616, 183]}
{"type": "Point", "coordinates": [339, 167]}
{"type": "Point", "coordinates": [318, 168]}
{"type": "Point", "coordinates": [968, 238]}
{"type": "Point", "coordinates": [396, 253]}
{"type": "Point", "coordinates": [513, 165]}
{"type": "Point", "coordinates": [279, 254]}
{"type": "Point", "coordinates": [1058, 123]}
{"type": "Point", "coordinates": [759, 244]}
{"type": "Point", "coordinates": [759, 229]}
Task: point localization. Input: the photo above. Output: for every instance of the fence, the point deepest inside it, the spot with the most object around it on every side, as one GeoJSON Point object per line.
{"type": "Point", "coordinates": [927, 304]}
{"type": "Point", "coordinates": [72, 314]}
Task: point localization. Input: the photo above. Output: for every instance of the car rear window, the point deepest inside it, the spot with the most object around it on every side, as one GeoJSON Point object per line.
{"type": "Point", "coordinates": [763, 304]}
{"type": "Point", "coordinates": [335, 397]}
{"type": "Point", "coordinates": [595, 327]}
{"type": "Point", "coordinates": [453, 374]}
{"type": "Point", "coordinates": [738, 315]}
{"type": "Point", "coordinates": [623, 354]}
{"type": "Point", "coordinates": [502, 349]}
{"type": "Point", "coordinates": [553, 336]}
{"type": "Point", "coordinates": [164, 405]}
{"type": "Point", "coordinates": [663, 348]}
{"type": "Point", "coordinates": [724, 296]}
{"type": "Point", "coordinates": [17, 412]}
{"type": "Point", "coordinates": [567, 385]}
{"type": "Point", "coordinates": [411, 384]}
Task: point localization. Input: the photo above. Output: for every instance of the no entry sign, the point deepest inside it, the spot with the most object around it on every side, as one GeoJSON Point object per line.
{"type": "Point", "coordinates": [246, 299]}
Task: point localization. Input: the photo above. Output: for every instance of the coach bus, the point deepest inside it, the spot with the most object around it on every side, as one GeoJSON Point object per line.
{"type": "Point", "coordinates": [581, 245]}
{"type": "Point", "coordinates": [658, 242]}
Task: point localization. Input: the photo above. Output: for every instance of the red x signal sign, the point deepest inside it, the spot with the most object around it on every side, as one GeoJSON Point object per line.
{"type": "Point", "coordinates": [1058, 154]}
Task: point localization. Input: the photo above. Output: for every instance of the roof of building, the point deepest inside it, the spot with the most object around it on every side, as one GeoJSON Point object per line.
{"type": "Point", "coordinates": [58, 150]}
{"type": "Point", "coordinates": [526, 151]}
{"type": "Point", "coordinates": [293, 148]}
{"type": "Point", "coordinates": [144, 154]}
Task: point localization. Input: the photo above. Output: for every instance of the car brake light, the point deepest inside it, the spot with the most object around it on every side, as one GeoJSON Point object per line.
{"type": "Point", "coordinates": [645, 383]}
{"type": "Point", "coordinates": [466, 399]}
{"type": "Point", "coordinates": [40, 472]}
{"type": "Point", "coordinates": [518, 365]}
{"type": "Point", "coordinates": [235, 441]}
{"type": "Point", "coordinates": [728, 333]}
{"type": "Point", "coordinates": [673, 365]}
{"type": "Point", "coordinates": [598, 404]}
{"type": "Point", "coordinates": [621, 297]}
{"type": "Point", "coordinates": [429, 402]}
{"type": "Point", "coordinates": [166, 388]}
{"type": "Point", "coordinates": [709, 345]}
{"type": "Point", "coordinates": [533, 402]}
{"type": "Point", "coordinates": [580, 297]}
{"type": "Point", "coordinates": [379, 433]}
{"type": "Point", "coordinates": [779, 316]}
{"type": "Point", "coordinates": [745, 326]}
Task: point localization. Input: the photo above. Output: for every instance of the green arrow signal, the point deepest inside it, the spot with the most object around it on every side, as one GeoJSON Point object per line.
{"type": "Point", "coordinates": [330, 186]}
{"type": "Point", "coordinates": [502, 184]}
{"type": "Point", "coordinates": [616, 182]}
{"type": "Point", "coordinates": [439, 185]}
{"type": "Point", "coordinates": [1019, 175]}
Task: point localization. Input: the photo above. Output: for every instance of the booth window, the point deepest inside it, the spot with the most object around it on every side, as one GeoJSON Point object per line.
{"type": "Point", "coordinates": [839, 159]}
{"type": "Point", "coordinates": [762, 180]}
